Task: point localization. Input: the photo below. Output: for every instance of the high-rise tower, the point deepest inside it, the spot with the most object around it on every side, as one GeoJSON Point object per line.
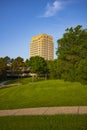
{"type": "Point", "coordinates": [42, 45]}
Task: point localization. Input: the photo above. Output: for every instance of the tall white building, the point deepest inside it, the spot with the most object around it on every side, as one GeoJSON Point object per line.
{"type": "Point", "coordinates": [43, 46]}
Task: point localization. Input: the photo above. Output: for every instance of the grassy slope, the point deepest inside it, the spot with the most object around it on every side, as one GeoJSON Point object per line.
{"type": "Point", "coordinates": [43, 93]}
{"type": "Point", "coordinates": [58, 122]}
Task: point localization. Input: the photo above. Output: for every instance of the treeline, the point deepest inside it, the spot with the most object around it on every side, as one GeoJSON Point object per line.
{"type": "Point", "coordinates": [13, 66]}
{"type": "Point", "coordinates": [72, 55]}
{"type": "Point", "coordinates": [70, 65]}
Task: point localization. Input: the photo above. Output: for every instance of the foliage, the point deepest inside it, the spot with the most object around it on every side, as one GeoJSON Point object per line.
{"type": "Point", "coordinates": [2, 69]}
{"type": "Point", "coordinates": [51, 72]}
{"type": "Point", "coordinates": [6, 59]}
{"type": "Point", "coordinates": [38, 65]}
{"type": "Point", "coordinates": [53, 69]}
{"type": "Point", "coordinates": [17, 65]}
{"type": "Point", "coordinates": [82, 71]}
{"type": "Point", "coordinates": [72, 49]}
{"type": "Point", "coordinates": [27, 63]}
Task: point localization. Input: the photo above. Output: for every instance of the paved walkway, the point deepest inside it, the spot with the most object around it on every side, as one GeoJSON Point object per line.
{"type": "Point", "coordinates": [3, 84]}
{"type": "Point", "coordinates": [45, 111]}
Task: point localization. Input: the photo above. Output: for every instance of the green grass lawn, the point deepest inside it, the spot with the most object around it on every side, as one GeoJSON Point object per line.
{"type": "Point", "coordinates": [56, 122]}
{"type": "Point", "coordinates": [43, 93]}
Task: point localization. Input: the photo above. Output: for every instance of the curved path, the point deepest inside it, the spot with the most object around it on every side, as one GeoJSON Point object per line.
{"type": "Point", "coordinates": [3, 84]}
{"type": "Point", "coordinates": [45, 111]}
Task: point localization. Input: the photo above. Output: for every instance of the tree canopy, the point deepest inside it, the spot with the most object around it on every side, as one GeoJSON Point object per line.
{"type": "Point", "coordinates": [2, 69]}
{"type": "Point", "coordinates": [38, 65]}
{"type": "Point", "coordinates": [72, 53]}
{"type": "Point", "coordinates": [17, 65]}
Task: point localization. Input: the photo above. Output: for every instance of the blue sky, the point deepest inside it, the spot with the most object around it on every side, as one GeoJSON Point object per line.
{"type": "Point", "coordinates": [22, 19]}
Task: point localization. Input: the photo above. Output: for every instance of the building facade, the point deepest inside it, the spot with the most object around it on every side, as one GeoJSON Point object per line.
{"type": "Point", "coordinates": [43, 46]}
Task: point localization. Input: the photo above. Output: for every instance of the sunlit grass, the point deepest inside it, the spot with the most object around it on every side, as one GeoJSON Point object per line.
{"type": "Point", "coordinates": [43, 93]}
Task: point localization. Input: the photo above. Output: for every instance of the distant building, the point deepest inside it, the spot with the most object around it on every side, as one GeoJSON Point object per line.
{"type": "Point", "coordinates": [43, 46]}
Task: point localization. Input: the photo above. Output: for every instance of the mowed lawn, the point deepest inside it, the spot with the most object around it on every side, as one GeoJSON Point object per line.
{"type": "Point", "coordinates": [56, 122]}
{"type": "Point", "coordinates": [43, 94]}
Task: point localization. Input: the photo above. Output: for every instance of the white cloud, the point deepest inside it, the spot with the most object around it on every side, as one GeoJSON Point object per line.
{"type": "Point", "coordinates": [52, 9]}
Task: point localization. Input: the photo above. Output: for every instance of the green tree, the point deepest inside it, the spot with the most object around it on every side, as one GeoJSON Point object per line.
{"type": "Point", "coordinates": [51, 72]}
{"type": "Point", "coordinates": [17, 66]}
{"type": "Point", "coordinates": [38, 65]}
{"type": "Point", "coordinates": [53, 69]}
{"type": "Point", "coordinates": [27, 63]}
{"type": "Point", "coordinates": [72, 48]}
{"type": "Point", "coordinates": [2, 69]}
{"type": "Point", "coordinates": [7, 59]}
{"type": "Point", "coordinates": [82, 71]}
